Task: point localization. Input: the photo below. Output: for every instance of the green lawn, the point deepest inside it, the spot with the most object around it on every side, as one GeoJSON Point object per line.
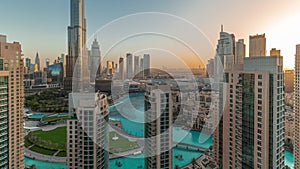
{"type": "Point", "coordinates": [56, 136]}
{"type": "Point", "coordinates": [122, 144]}
{"type": "Point", "coordinates": [42, 150]}
{"type": "Point", "coordinates": [62, 154]}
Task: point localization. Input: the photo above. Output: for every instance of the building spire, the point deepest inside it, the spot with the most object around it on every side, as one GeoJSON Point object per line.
{"type": "Point", "coordinates": [222, 28]}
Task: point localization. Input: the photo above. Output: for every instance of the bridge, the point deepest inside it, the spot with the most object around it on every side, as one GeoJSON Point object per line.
{"type": "Point", "coordinates": [190, 146]}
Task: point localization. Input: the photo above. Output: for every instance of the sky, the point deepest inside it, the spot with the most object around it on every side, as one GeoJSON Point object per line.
{"type": "Point", "coordinates": [41, 26]}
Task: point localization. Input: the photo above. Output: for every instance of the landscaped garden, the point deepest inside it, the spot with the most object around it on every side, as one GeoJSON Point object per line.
{"type": "Point", "coordinates": [47, 142]}
{"type": "Point", "coordinates": [47, 101]}
{"type": "Point", "coordinates": [120, 144]}
{"type": "Point", "coordinates": [54, 142]}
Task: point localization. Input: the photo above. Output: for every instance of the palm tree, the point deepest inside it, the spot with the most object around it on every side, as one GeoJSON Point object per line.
{"type": "Point", "coordinates": [177, 167]}
{"type": "Point", "coordinates": [194, 162]}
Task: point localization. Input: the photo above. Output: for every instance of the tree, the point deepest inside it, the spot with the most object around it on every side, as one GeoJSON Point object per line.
{"type": "Point", "coordinates": [194, 162]}
{"type": "Point", "coordinates": [287, 167]}
{"type": "Point", "coordinates": [33, 166]}
{"type": "Point", "coordinates": [177, 167]}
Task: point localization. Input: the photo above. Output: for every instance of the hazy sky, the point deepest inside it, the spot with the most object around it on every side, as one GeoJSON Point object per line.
{"type": "Point", "coordinates": [41, 25]}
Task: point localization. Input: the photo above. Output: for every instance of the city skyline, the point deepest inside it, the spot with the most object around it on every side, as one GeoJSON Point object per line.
{"type": "Point", "coordinates": [274, 24]}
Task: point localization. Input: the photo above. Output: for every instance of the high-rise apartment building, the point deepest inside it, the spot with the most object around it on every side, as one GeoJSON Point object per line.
{"type": "Point", "coordinates": [121, 68]}
{"type": "Point", "coordinates": [136, 65]}
{"type": "Point", "coordinates": [297, 109]}
{"type": "Point", "coordinates": [142, 68]}
{"type": "Point", "coordinates": [12, 62]}
{"type": "Point", "coordinates": [129, 66]}
{"type": "Point", "coordinates": [76, 43]}
{"type": "Point", "coordinates": [240, 51]}
{"type": "Point", "coordinates": [87, 131]}
{"type": "Point", "coordinates": [158, 127]}
{"type": "Point", "coordinates": [4, 85]}
{"type": "Point", "coordinates": [252, 131]}
{"type": "Point", "coordinates": [257, 45]}
{"type": "Point", "coordinates": [146, 66]}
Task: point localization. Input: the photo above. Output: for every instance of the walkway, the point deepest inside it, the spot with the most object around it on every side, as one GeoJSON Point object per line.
{"type": "Point", "coordinates": [183, 145]}
{"type": "Point", "coordinates": [37, 156]}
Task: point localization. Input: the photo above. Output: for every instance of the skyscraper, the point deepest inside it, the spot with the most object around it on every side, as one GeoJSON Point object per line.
{"type": "Point", "coordinates": [87, 131]}
{"type": "Point", "coordinates": [136, 65]}
{"type": "Point", "coordinates": [129, 66]}
{"type": "Point", "coordinates": [297, 108]}
{"type": "Point", "coordinates": [11, 61]}
{"type": "Point", "coordinates": [94, 60]}
{"type": "Point", "coordinates": [274, 52]}
{"type": "Point", "coordinates": [158, 127]}
{"type": "Point", "coordinates": [252, 134]}
{"type": "Point", "coordinates": [121, 68]}
{"type": "Point", "coordinates": [142, 67]}
{"type": "Point", "coordinates": [240, 51]}
{"type": "Point", "coordinates": [28, 62]}
{"type": "Point", "coordinates": [146, 66]}
{"type": "Point", "coordinates": [257, 45]}
{"type": "Point", "coordinates": [225, 50]}
{"type": "Point", "coordinates": [37, 63]}
{"type": "Point", "coordinates": [76, 42]}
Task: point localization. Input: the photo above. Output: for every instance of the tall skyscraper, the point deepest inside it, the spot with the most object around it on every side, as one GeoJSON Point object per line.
{"type": "Point", "coordinates": [289, 76]}
{"type": "Point", "coordinates": [210, 68]}
{"type": "Point", "coordinates": [158, 127]}
{"type": "Point", "coordinates": [225, 51]}
{"type": "Point", "coordinates": [121, 68]}
{"type": "Point", "coordinates": [87, 131]}
{"type": "Point", "coordinates": [274, 52]}
{"type": "Point", "coordinates": [252, 135]}
{"type": "Point", "coordinates": [142, 67]}
{"type": "Point", "coordinates": [37, 63]}
{"type": "Point", "coordinates": [11, 61]}
{"type": "Point", "coordinates": [136, 65]}
{"type": "Point", "coordinates": [240, 51]}
{"type": "Point", "coordinates": [94, 60]}
{"type": "Point", "coordinates": [257, 45]}
{"type": "Point", "coordinates": [76, 42]}
{"type": "Point", "coordinates": [297, 109]}
{"type": "Point", "coordinates": [129, 66]}
{"type": "Point", "coordinates": [28, 62]}
{"type": "Point", "coordinates": [147, 67]}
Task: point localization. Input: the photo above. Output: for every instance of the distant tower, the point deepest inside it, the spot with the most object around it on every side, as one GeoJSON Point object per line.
{"type": "Point", "coordinates": [225, 51]}
{"type": "Point", "coordinates": [37, 62]}
{"type": "Point", "coordinates": [76, 43]}
{"type": "Point", "coordinates": [146, 61]}
{"type": "Point", "coordinates": [47, 63]}
{"type": "Point", "coordinates": [257, 45]}
{"type": "Point", "coordinates": [240, 51]}
{"type": "Point", "coordinates": [94, 60]}
{"type": "Point", "coordinates": [129, 65]}
{"type": "Point", "coordinates": [158, 127]}
{"type": "Point", "coordinates": [121, 68]}
{"type": "Point", "coordinates": [274, 52]}
{"type": "Point", "coordinates": [136, 65]}
{"type": "Point", "coordinates": [142, 68]}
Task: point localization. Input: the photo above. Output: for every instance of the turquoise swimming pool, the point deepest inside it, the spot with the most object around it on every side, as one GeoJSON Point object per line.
{"type": "Point", "coordinates": [44, 165]}
{"type": "Point", "coordinates": [37, 116]}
